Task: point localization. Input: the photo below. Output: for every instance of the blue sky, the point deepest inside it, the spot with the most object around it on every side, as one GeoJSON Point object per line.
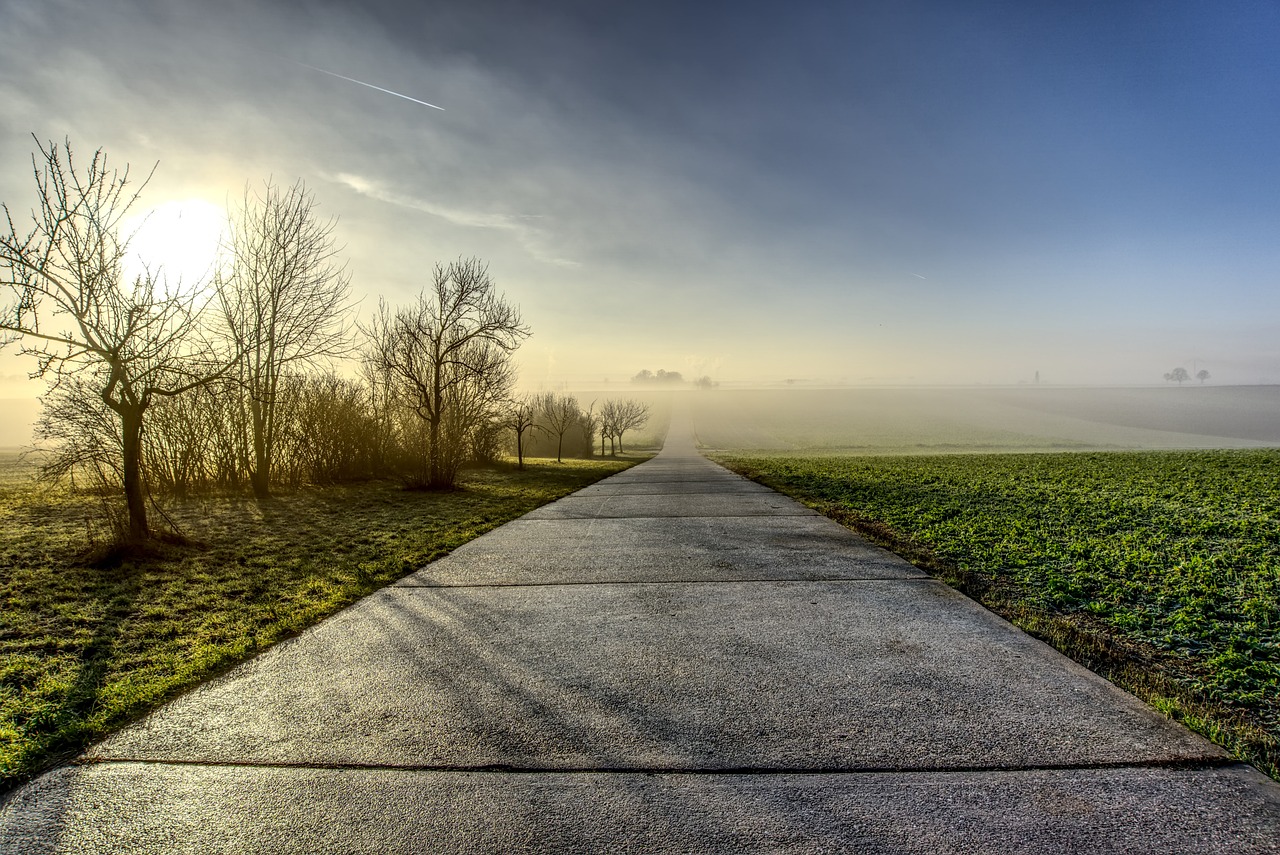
{"type": "Point", "coordinates": [894, 192]}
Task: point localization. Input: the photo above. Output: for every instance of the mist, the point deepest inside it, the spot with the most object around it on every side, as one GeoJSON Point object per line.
{"type": "Point", "coordinates": [987, 420]}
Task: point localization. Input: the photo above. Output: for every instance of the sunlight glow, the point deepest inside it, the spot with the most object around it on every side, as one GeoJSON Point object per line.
{"type": "Point", "coordinates": [177, 241]}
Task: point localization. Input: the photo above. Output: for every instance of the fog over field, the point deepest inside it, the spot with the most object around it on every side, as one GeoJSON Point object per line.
{"type": "Point", "coordinates": [934, 420]}
{"type": "Point", "coordinates": [970, 420]}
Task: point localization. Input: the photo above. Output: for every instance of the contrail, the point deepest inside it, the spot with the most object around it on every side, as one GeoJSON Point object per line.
{"type": "Point", "coordinates": [371, 86]}
{"type": "Point", "coordinates": [917, 275]}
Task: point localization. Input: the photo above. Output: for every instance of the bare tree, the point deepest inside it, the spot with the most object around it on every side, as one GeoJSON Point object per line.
{"type": "Point", "coordinates": [285, 301]}
{"type": "Point", "coordinates": [451, 346]}
{"type": "Point", "coordinates": [610, 411]}
{"type": "Point", "coordinates": [84, 433]}
{"type": "Point", "coordinates": [522, 414]}
{"type": "Point", "coordinates": [622, 416]}
{"type": "Point", "coordinates": [127, 344]}
{"type": "Point", "coordinates": [473, 405]}
{"type": "Point", "coordinates": [559, 413]}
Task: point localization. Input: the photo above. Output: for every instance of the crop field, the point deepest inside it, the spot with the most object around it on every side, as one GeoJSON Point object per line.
{"type": "Point", "coordinates": [87, 644]}
{"type": "Point", "coordinates": [1159, 569]}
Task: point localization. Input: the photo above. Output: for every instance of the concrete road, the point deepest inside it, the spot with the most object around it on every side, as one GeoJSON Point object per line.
{"type": "Point", "coordinates": [672, 660]}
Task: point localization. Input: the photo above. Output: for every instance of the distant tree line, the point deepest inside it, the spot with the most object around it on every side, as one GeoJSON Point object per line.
{"type": "Point", "coordinates": [233, 385]}
{"type": "Point", "coordinates": [661, 377]}
{"type": "Point", "coordinates": [1180, 375]}
{"type": "Point", "coordinates": [671, 378]}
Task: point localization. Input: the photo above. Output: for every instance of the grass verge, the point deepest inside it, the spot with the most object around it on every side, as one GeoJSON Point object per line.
{"type": "Point", "coordinates": [1158, 570]}
{"type": "Point", "coordinates": [86, 645]}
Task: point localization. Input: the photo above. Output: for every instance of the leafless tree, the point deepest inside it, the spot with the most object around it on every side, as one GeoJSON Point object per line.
{"type": "Point", "coordinates": [621, 416]}
{"type": "Point", "coordinates": [635, 415]}
{"type": "Point", "coordinates": [521, 417]}
{"type": "Point", "coordinates": [446, 353]}
{"type": "Point", "coordinates": [66, 302]}
{"type": "Point", "coordinates": [474, 406]}
{"type": "Point", "coordinates": [285, 301]}
{"type": "Point", "coordinates": [610, 411]}
{"type": "Point", "coordinates": [559, 413]}
{"type": "Point", "coordinates": [82, 436]}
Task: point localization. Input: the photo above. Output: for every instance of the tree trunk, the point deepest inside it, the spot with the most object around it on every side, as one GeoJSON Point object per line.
{"type": "Point", "coordinates": [520, 449]}
{"type": "Point", "coordinates": [260, 474]}
{"type": "Point", "coordinates": [435, 478]}
{"type": "Point", "coordinates": [135, 501]}
{"type": "Point", "coordinates": [559, 449]}
{"type": "Point", "coordinates": [435, 475]}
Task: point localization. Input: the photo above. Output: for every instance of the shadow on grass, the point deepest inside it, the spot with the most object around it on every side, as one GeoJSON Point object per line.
{"type": "Point", "coordinates": [94, 639]}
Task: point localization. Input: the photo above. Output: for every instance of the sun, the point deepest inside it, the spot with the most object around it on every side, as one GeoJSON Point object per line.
{"type": "Point", "coordinates": [179, 242]}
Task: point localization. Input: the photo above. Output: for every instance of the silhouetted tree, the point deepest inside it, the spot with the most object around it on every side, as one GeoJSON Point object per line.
{"type": "Point", "coordinates": [1178, 374]}
{"type": "Point", "coordinates": [285, 304]}
{"type": "Point", "coordinates": [618, 417]}
{"type": "Point", "coordinates": [521, 417]}
{"type": "Point", "coordinates": [610, 414]}
{"type": "Point", "coordinates": [633, 415]}
{"type": "Point", "coordinates": [559, 413]}
{"type": "Point", "coordinates": [447, 354]}
{"type": "Point", "coordinates": [1202, 375]}
{"type": "Point", "coordinates": [125, 344]}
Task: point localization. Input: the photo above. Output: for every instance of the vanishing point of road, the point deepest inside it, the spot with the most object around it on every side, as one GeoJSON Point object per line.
{"type": "Point", "coordinates": [674, 659]}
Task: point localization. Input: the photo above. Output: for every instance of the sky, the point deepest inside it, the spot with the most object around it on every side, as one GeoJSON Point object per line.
{"type": "Point", "coordinates": [848, 192]}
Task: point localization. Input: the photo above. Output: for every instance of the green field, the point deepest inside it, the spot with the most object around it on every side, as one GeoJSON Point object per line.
{"type": "Point", "coordinates": [1160, 569]}
{"type": "Point", "coordinates": [86, 645]}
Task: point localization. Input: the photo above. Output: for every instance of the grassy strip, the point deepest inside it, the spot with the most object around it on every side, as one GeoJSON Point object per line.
{"type": "Point", "coordinates": [85, 648]}
{"type": "Point", "coordinates": [1158, 570]}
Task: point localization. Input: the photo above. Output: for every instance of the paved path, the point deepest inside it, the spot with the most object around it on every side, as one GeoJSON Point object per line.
{"type": "Point", "coordinates": [674, 659]}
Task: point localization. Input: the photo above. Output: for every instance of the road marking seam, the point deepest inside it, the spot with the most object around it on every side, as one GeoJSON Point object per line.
{"type": "Point", "coordinates": [1203, 763]}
